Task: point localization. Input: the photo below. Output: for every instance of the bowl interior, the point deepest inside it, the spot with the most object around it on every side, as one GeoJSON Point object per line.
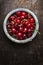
{"type": "Point", "coordinates": [13, 39]}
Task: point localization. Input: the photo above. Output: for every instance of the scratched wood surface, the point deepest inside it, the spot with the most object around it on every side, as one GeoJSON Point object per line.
{"type": "Point", "coordinates": [30, 53]}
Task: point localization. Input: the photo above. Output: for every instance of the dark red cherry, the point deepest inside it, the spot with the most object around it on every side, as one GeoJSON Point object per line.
{"type": "Point", "coordinates": [24, 13]}
{"type": "Point", "coordinates": [20, 38]}
{"type": "Point", "coordinates": [18, 13]}
{"type": "Point", "coordinates": [28, 25]}
{"type": "Point", "coordinates": [32, 28]}
{"type": "Point", "coordinates": [13, 30]}
{"type": "Point", "coordinates": [12, 18]}
{"type": "Point", "coordinates": [16, 25]}
{"type": "Point", "coordinates": [21, 29]}
{"type": "Point", "coordinates": [25, 30]}
{"type": "Point", "coordinates": [18, 21]}
{"type": "Point", "coordinates": [32, 20]}
{"type": "Point", "coordinates": [22, 17]}
{"type": "Point", "coordinates": [9, 25]}
{"type": "Point", "coordinates": [19, 34]}
{"type": "Point", "coordinates": [29, 34]}
{"type": "Point", "coordinates": [24, 36]}
{"type": "Point", "coordinates": [29, 30]}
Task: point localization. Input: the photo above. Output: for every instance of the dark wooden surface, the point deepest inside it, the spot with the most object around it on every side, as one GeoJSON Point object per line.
{"type": "Point", "coordinates": [30, 53]}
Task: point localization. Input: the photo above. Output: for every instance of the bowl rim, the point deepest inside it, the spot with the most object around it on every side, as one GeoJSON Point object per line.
{"type": "Point", "coordinates": [28, 39]}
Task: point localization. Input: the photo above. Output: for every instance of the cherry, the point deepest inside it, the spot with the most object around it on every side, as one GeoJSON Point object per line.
{"type": "Point", "coordinates": [19, 34]}
{"type": "Point", "coordinates": [32, 20]}
{"type": "Point", "coordinates": [29, 34]}
{"type": "Point", "coordinates": [18, 21]}
{"type": "Point", "coordinates": [19, 18]}
{"type": "Point", "coordinates": [32, 28]}
{"type": "Point", "coordinates": [25, 30]}
{"type": "Point", "coordinates": [24, 13]}
{"type": "Point", "coordinates": [24, 36]}
{"type": "Point", "coordinates": [26, 16]}
{"type": "Point", "coordinates": [13, 30]}
{"type": "Point", "coordinates": [9, 25]}
{"type": "Point", "coordinates": [18, 13]}
{"type": "Point", "coordinates": [12, 18]}
{"type": "Point", "coordinates": [21, 29]}
{"type": "Point", "coordinates": [22, 17]}
{"type": "Point", "coordinates": [28, 25]}
{"type": "Point", "coordinates": [16, 25]}
{"type": "Point", "coordinates": [29, 30]}
{"type": "Point", "coordinates": [16, 32]}
{"type": "Point", "coordinates": [20, 38]}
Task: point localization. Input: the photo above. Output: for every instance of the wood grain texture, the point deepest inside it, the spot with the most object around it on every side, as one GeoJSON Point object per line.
{"type": "Point", "coordinates": [30, 53]}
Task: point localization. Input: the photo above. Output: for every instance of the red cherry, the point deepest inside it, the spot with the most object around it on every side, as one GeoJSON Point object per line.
{"type": "Point", "coordinates": [24, 13]}
{"type": "Point", "coordinates": [32, 28]}
{"type": "Point", "coordinates": [9, 25]}
{"type": "Point", "coordinates": [32, 20]}
{"type": "Point", "coordinates": [22, 17]}
{"type": "Point", "coordinates": [24, 36]}
{"type": "Point", "coordinates": [26, 16]}
{"type": "Point", "coordinates": [25, 30]}
{"type": "Point", "coordinates": [18, 13]}
{"type": "Point", "coordinates": [33, 25]}
{"type": "Point", "coordinates": [16, 32]}
{"type": "Point", "coordinates": [18, 21]}
{"type": "Point", "coordinates": [21, 29]}
{"type": "Point", "coordinates": [20, 38]}
{"type": "Point", "coordinates": [12, 17]}
{"type": "Point", "coordinates": [28, 25]}
{"type": "Point", "coordinates": [29, 34]}
{"type": "Point", "coordinates": [19, 18]}
{"type": "Point", "coordinates": [13, 30]}
{"type": "Point", "coordinates": [16, 25]}
{"type": "Point", "coordinates": [29, 30]}
{"type": "Point", "coordinates": [19, 34]}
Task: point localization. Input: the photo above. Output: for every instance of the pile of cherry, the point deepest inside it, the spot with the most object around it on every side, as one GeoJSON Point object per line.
{"type": "Point", "coordinates": [21, 25]}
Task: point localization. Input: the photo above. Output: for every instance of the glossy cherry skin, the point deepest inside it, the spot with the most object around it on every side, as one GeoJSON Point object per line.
{"type": "Point", "coordinates": [28, 25]}
{"type": "Point", "coordinates": [24, 36]}
{"type": "Point", "coordinates": [29, 34]}
{"type": "Point", "coordinates": [21, 29]}
{"type": "Point", "coordinates": [23, 13]}
{"type": "Point", "coordinates": [18, 13]}
{"type": "Point", "coordinates": [25, 30]}
{"type": "Point", "coordinates": [32, 20]}
{"type": "Point", "coordinates": [12, 18]}
{"type": "Point", "coordinates": [18, 21]}
{"type": "Point", "coordinates": [19, 34]}
{"type": "Point", "coordinates": [22, 17]}
{"type": "Point", "coordinates": [9, 25]}
{"type": "Point", "coordinates": [13, 30]}
{"type": "Point", "coordinates": [20, 38]}
{"type": "Point", "coordinates": [32, 28]}
{"type": "Point", "coordinates": [16, 25]}
{"type": "Point", "coordinates": [29, 30]}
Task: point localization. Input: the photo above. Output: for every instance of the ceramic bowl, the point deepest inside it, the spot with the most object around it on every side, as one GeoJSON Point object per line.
{"type": "Point", "coordinates": [35, 31]}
